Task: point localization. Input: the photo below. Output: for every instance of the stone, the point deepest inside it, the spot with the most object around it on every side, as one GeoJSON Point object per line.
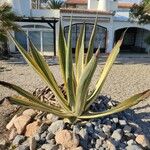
{"type": "Point", "coordinates": [133, 147]}
{"type": "Point", "coordinates": [77, 148]}
{"type": "Point", "coordinates": [18, 140]}
{"type": "Point", "coordinates": [43, 135]}
{"type": "Point", "coordinates": [98, 143]}
{"type": "Point", "coordinates": [122, 122]}
{"type": "Point", "coordinates": [32, 143]}
{"type": "Point", "coordinates": [83, 133]}
{"type": "Point", "coordinates": [52, 118]}
{"type": "Point", "coordinates": [29, 112]}
{"type": "Point", "coordinates": [141, 139]}
{"type": "Point", "coordinates": [3, 142]}
{"type": "Point", "coordinates": [49, 136]}
{"type": "Point", "coordinates": [32, 128]}
{"type": "Point", "coordinates": [21, 122]}
{"type": "Point", "coordinates": [67, 139]}
{"type": "Point", "coordinates": [117, 136]}
{"type": "Point", "coordinates": [127, 129]}
{"type": "Point", "coordinates": [42, 128]}
{"type": "Point", "coordinates": [106, 129]}
{"type": "Point", "coordinates": [12, 134]}
{"type": "Point", "coordinates": [11, 123]}
{"type": "Point", "coordinates": [37, 136]}
{"type": "Point", "coordinates": [56, 126]}
{"type": "Point", "coordinates": [111, 145]}
{"type": "Point", "coordinates": [24, 146]}
{"type": "Point", "coordinates": [49, 147]}
{"type": "Point", "coordinates": [115, 120]}
{"type": "Point", "coordinates": [131, 142]}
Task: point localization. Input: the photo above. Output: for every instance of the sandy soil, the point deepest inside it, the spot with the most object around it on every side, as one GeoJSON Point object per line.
{"type": "Point", "coordinates": [127, 77]}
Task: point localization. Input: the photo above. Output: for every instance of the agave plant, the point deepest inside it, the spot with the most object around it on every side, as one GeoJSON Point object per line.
{"type": "Point", "coordinates": [79, 98]}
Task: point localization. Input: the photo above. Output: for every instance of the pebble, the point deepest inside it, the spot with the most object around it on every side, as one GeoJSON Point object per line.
{"type": "Point", "coordinates": [52, 118]}
{"type": "Point", "coordinates": [122, 122]}
{"type": "Point", "coordinates": [56, 126]}
{"type": "Point", "coordinates": [37, 136]}
{"type": "Point", "coordinates": [117, 135]}
{"type": "Point", "coordinates": [67, 139]}
{"type": "Point", "coordinates": [32, 143]}
{"type": "Point", "coordinates": [18, 140]}
{"type": "Point", "coordinates": [12, 134]}
{"type": "Point", "coordinates": [133, 147]}
{"type": "Point", "coordinates": [11, 123]}
{"type": "Point", "coordinates": [106, 129]}
{"type": "Point", "coordinates": [141, 139]}
{"type": "Point", "coordinates": [42, 128]}
{"type": "Point", "coordinates": [50, 136]}
{"type": "Point", "coordinates": [49, 147]}
{"type": "Point", "coordinates": [98, 143]}
{"type": "Point", "coordinates": [131, 142]}
{"type": "Point", "coordinates": [29, 112]}
{"type": "Point", "coordinates": [21, 122]}
{"type": "Point", "coordinates": [127, 129]}
{"type": "Point", "coordinates": [115, 120]}
{"type": "Point", "coordinates": [32, 128]}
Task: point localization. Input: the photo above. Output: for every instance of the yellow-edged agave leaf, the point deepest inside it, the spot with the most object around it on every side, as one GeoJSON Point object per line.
{"type": "Point", "coordinates": [69, 71]}
{"type": "Point", "coordinates": [121, 107]}
{"type": "Point", "coordinates": [107, 68]}
{"type": "Point", "coordinates": [49, 78]}
{"type": "Point", "coordinates": [62, 52]}
{"type": "Point", "coordinates": [31, 61]}
{"type": "Point", "coordinates": [27, 95]}
{"type": "Point", "coordinates": [91, 43]}
{"type": "Point", "coordinates": [80, 54]}
{"type": "Point", "coordinates": [83, 85]}
{"type": "Point", "coordinates": [25, 102]}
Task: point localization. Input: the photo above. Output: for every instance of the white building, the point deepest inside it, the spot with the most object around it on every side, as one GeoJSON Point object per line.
{"type": "Point", "coordinates": [41, 24]}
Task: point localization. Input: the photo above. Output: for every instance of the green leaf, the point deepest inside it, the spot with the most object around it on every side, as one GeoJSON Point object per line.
{"type": "Point", "coordinates": [134, 100]}
{"type": "Point", "coordinates": [83, 85]}
{"type": "Point", "coordinates": [25, 102]}
{"type": "Point", "coordinates": [91, 43]}
{"type": "Point", "coordinates": [49, 78]}
{"type": "Point", "coordinates": [62, 52]}
{"type": "Point", "coordinates": [26, 94]}
{"type": "Point", "coordinates": [107, 68]}
{"type": "Point", "coordinates": [69, 71]}
{"type": "Point", "coordinates": [79, 55]}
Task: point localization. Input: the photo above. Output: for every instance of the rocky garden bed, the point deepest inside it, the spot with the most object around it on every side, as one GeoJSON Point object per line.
{"type": "Point", "coordinates": [36, 130]}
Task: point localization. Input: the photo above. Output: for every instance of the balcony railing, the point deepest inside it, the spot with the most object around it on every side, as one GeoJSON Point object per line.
{"type": "Point", "coordinates": [40, 4]}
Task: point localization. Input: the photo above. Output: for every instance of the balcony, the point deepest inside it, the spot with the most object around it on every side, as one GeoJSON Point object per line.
{"type": "Point", "coordinates": [34, 8]}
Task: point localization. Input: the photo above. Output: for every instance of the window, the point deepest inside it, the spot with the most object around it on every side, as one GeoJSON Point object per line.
{"type": "Point", "coordinates": [100, 38]}
{"type": "Point", "coordinates": [48, 41]}
{"type": "Point", "coordinates": [22, 39]}
{"type": "Point", "coordinates": [35, 37]}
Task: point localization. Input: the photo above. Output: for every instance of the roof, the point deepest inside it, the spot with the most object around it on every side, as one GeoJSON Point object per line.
{"type": "Point", "coordinates": [83, 11]}
{"type": "Point", "coordinates": [125, 5]}
{"type": "Point", "coordinates": [76, 2]}
{"type": "Point", "coordinates": [82, 2]}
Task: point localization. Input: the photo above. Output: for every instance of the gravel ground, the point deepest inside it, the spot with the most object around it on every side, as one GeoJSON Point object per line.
{"type": "Point", "coordinates": [126, 78]}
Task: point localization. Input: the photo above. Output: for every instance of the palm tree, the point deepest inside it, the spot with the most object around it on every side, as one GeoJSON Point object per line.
{"type": "Point", "coordinates": [55, 4]}
{"type": "Point", "coordinates": [7, 23]}
{"type": "Point", "coordinates": [141, 12]}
